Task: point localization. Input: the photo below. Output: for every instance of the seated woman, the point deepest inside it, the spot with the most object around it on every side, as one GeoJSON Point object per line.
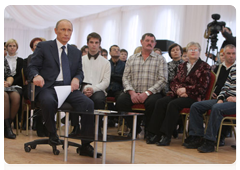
{"type": "Point", "coordinates": [188, 86]}
{"type": "Point", "coordinates": [11, 102]}
{"type": "Point", "coordinates": [15, 64]}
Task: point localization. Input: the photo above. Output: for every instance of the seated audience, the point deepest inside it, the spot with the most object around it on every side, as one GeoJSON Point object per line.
{"type": "Point", "coordinates": [137, 50]}
{"type": "Point", "coordinates": [144, 79]}
{"type": "Point", "coordinates": [184, 55]}
{"type": "Point", "coordinates": [225, 104]}
{"type": "Point", "coordinates": [123, 55]}
{"type": "Point", "coordinates": [84, 50]}
{"type": "Point", "coordinates": [12, 85]}
{"type": "Point", "coordinates": [104, 53]}
{"type": "Point", "coordinates": [158, 50]}
{"type": "Point", "coordinates": [115, 88]}
{"type": "Point", "coordinates": [222, 72]}
{"type": "Point", "coordinates": [188, 86]}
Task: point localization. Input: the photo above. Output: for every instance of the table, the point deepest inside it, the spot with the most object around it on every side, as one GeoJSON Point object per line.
{"type": "Point", "coordinates": [104, 138]}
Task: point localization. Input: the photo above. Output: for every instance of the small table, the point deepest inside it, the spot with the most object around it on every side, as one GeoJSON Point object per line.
{"type": "Point", "coordinates": [104, 138]}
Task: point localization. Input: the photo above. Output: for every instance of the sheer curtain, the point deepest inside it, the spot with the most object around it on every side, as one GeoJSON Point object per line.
{"type": "Point", "coordinates": [123, 25]}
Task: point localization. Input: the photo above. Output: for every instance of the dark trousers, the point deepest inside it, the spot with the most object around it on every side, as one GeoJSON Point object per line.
{"type": "Point", "coordinates": [98, 99]}
{"type": "Point", "coordinates": [166, 114]}
{"type": "Point", "coordinates": [124, 103]}
{"type": "Point", "coordinates": [48, 101]}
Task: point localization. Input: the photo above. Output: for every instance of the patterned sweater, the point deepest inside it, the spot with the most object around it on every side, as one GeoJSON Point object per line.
{"type": "Point", "coordinates": [229, 88]}
{"type": "Point", "coordinates": [196, 82]}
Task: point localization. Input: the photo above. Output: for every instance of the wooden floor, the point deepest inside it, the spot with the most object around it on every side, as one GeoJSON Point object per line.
{"type": "Point", "coordinates": [117, 153]}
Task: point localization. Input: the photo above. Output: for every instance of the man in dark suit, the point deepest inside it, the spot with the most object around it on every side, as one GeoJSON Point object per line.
{"type": "Point", "coordinates": [48, 69]}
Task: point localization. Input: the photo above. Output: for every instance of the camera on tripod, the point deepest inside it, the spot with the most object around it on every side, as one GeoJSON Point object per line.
{"type": "Point", "coordinates": [211, 33]}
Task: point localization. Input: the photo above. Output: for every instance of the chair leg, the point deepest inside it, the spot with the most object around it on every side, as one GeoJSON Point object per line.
{"type": "Point", "coordinates": [184, 128]}
{"type": "Point", "coordinates": [123, 125]}
{"type": "Point", "coordinates": [17, 124]}
{"type": "Point", "coordinates": [219, 135]}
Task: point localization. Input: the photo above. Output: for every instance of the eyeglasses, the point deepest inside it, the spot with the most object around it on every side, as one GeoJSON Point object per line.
{"type": "Point", "coordinates": [191, 50]}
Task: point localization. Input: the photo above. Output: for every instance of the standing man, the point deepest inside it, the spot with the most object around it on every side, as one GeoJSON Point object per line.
{"type": "Point", "coordinates": [97, 71]}
{"type": "Point", "coordinates": [56, 63]}
{"type": "Point", "coordinates": [144, 78]}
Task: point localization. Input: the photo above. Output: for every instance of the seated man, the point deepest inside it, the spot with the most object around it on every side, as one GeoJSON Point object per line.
{"type": "Point", "coordinates": [97, 71]}
{"type": "Point", "coordinates": [225, 104]}
{"type": "Point", "coordinates": [56, 63]}
{"type": "Point", "coordinates": [144, 78]}
{"type": "Point", "coordinates": [115, 88]}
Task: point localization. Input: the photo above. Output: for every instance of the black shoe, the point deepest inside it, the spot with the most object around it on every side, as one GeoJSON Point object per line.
{"type": "Point", "coordinates": [153, 139]}
{"type": "Point", "coordinates": [188, 140]}
{"type": "Point", "coordinates": [8, 133]}
{"type": "Point", "coordinates": [54, 139]}
{"type": "Point", "coordinates": [233, 146]}
{"type": "Point", "coordinates": [164, 141]}
{"type": "Point", "coordinates": [148, 135]}
{"type": "Point", "coordinates": [75, 132]}
{"type": "Point", "coordinates": [175, 134]}
{"type": "Point", "coordinates": [194, 143]}
{"type": "Point", "coordinates": [208, 146]}
{"type": "Point", "coordinates": [88, 151]}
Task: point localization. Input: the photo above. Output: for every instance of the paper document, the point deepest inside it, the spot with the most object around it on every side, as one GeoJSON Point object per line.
{"type": "Point", "coordinates": [62, 93]}
{"type": "Point", "coordinates": [105, 111]}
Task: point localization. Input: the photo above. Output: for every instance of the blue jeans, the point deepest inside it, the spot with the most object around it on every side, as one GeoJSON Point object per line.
{"type": "Point", "coordinates": [216, 116]}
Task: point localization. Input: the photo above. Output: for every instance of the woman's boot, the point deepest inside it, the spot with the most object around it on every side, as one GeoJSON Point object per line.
{"type": "Point", "coordinates": [8, 133]}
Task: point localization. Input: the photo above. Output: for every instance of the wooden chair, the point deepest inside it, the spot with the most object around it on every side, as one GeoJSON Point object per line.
{"type": "Point", "coordinates": [186, 111]}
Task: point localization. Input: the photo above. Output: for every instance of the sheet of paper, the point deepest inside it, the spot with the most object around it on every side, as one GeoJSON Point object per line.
{"type": "Point", "coordinates": [62, 93]}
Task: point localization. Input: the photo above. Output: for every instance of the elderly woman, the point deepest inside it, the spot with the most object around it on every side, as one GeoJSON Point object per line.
{"type": "Point", "coordinates": [188, 86]}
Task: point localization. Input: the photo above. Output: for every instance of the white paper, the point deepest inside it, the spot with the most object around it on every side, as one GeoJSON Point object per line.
{"type": "Point", "coordinates": [62, 93]}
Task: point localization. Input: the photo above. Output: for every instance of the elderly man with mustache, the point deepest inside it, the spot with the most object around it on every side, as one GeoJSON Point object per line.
{"type": "Point", "coordinates": [144, 79]}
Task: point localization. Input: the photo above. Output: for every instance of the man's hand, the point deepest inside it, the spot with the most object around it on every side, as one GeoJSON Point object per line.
{"type": "Point", "coordinates": [38, 81]}
{"type": "Point", "coordinates": [214, 96]}
{"type": "Point", "coordinates": [142, 97]}
{"type": "Point", "coordinates": [88, 91]}
{"type": "Point", "coordinates": [74, 84]}
{"type": "Point", "coordinates": [231, 99]}
{"type": "Point", "coordinates": [134, 96]}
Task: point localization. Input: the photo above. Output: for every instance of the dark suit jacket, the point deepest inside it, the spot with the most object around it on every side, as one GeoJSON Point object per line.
{"type": "Point", "coordinates": [45, 62]}
{"type": "Point", "coordinates": [18, 76]}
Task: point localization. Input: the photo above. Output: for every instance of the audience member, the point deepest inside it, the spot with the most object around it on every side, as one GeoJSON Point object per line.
{"type": "Point", "coordinates": [229, 39]}
{"type": "Point", "coordinates": [115, 88]}
{"type": "Point", "coordinates": [37, 121]}
{"type": "Point", "coordinates": [97, 71]}
{"type": "Point", "coordinates": [225, 104]}
{"type": "Point", "coordinates": [137, 50]}
{"type": "Point", "coordinates": [16, 64]}
{"type": "Point", "coordinates": [144, 79]}
{"type": "Point", "coordinates": [53, 65]}
{"type": "Point", "coordinates": [158, 50]}
{"type": "Point", "coordinates": [175, 52]}
{"type": "Point", "coordinates": [222, 72]}
{"type": "Point", "coordinates": [11, 101]}
{"type": "Point", "coordinates": [184, 55]}
{"type": "Point", "coordinates": [84, 50]}
{"type": "Point", "coordinates": [104, 53]}
{"type": "Point", "coordinates": [123, 55]}
{"type": "Point", "coordinates": [219, 59]}
{"type": "Point", "coordinates": [188, 86]}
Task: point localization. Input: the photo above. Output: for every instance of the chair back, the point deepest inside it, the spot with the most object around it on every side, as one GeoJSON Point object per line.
{"type": "Point", "coordinates": [211, 86]}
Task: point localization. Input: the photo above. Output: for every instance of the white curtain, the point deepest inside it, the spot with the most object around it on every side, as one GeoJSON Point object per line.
{"type": "Point", "coordinates": [123, 25]}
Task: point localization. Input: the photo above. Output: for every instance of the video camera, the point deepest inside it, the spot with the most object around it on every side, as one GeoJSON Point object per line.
{"type": "Point", "coordinates": [211, 32]}
{"type": "Point", "coordinates": [214, 27]}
